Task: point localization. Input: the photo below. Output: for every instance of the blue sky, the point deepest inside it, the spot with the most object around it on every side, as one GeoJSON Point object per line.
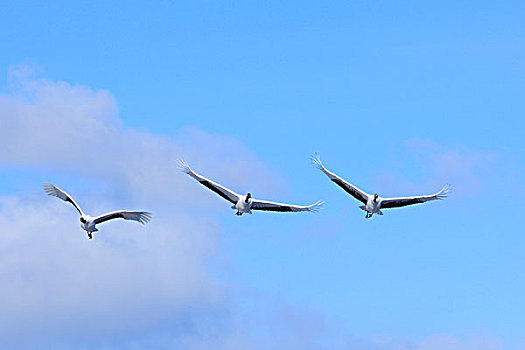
{"type": "Point", "coordinates": [399, 98]}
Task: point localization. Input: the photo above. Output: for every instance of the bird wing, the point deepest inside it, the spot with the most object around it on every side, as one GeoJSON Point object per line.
{"type": "Point", "coordinates": [345, 185]}
{"type": "Point", "coordinates": [140, 216]}
{"type": "Point", "coordinates": [404, 201]}
{"type": "Point", "coordinates": [274, 206]}
{"type": "Point", "coordinates": [222, 191]}
{"type": "Point", "coordinates": [57, 192]}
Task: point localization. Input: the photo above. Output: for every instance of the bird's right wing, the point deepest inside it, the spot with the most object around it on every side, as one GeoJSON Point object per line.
{"type": "Point", "coordinates": [222, 191]}
{"type": "Point", "coordinates": [398, 202]}
{"type": "Point", "coordinates": [345, 185]}
{"type": "Point", "coordinates": [140, 216]}
{"type": "Point", "coordinates": [281, 207]}
{"type": "Point", "coordinates": [57, 192]}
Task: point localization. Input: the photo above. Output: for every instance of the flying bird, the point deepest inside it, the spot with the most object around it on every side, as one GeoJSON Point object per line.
{"type": "Point", "coordinates": [245, 204]}
{"type": "Point", "coordinates": [373, 203]}
{"type": "Point", "coordinates": [87, 222]}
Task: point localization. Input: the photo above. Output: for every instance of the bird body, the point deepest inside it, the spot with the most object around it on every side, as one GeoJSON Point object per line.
{"type": "Point", "coordinates": [374, 203]}
{"type": "Point", "coordinates": [246, 203]}
{"type": "Point", "coordinates": [87, 222]}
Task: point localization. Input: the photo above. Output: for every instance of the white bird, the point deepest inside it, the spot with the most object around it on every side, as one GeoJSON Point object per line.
{"type": "Point", "coordinates": [87, 222]}
{"type": "Point", "coordinates": [374, 203]}
{"type": "Point", "coordinates": [245, 204]}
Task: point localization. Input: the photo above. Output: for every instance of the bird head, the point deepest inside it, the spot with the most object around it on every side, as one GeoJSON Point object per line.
{"type": "Point", "coordinates": [375, 196]}
{"type": "Point", "coordinates": [82, 220]}
{"type": "Point", "coordinates": [248, 196]}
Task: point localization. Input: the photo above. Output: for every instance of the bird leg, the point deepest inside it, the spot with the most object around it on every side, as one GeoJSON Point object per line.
{"type": "Point", "coordinates": [238, 213]}
{"type": "Point", "coordinates": [90, 236]}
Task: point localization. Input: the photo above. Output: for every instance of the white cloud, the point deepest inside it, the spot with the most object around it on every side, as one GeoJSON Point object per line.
{"type": "Point", "coordinates": [76, 129]}
{"type": "Point", "coordinates": [55, 282]}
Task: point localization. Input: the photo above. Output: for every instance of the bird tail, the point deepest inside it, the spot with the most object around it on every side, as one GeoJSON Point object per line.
{"type": "Point", "coordinates": [445, 191]}
{"type": "Point", "coordinates": [316, 161]}
{"type": "Point", "coordinates": [183, 166]}
{"type": "Point", "coordinates": [316, 206]}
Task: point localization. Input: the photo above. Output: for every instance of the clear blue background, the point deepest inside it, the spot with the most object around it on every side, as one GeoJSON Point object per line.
{"type": "Point", "coordinates": [353, 80]}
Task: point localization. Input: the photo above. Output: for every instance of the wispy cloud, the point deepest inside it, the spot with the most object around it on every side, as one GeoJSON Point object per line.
{"type": "Point", "coordinates": [425, 165]}
{"type": "Point", "coordinates": [467, 168]}
{"type": "Point", "coordinates": [450, 342]}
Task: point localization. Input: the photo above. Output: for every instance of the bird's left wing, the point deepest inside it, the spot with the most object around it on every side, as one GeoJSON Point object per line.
{"type": "Point", "coordinates": [354, 191]}
{"type": "Point", "coordinates": [222, 191]}
{"type": "Point", "coordinates": [140, 216]}
{"type": "Point", "coordinates": [57, 192]}
{"type": "Point", "coordinates": [404, 201]}
{"type": "Point", "coordinates": [274, 206]}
